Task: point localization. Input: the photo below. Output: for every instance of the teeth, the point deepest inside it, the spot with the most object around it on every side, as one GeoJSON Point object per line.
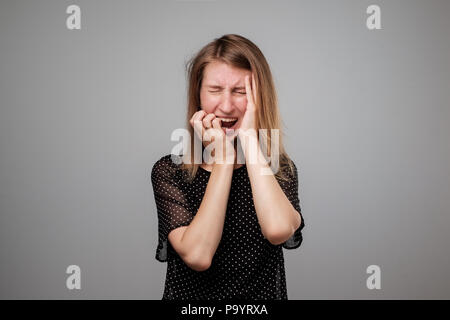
{"type": "Point", "coordinates": [228, 120]}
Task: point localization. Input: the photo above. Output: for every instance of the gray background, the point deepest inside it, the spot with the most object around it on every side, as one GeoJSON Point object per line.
{"type": "Point", "coordinates": [85, 113]}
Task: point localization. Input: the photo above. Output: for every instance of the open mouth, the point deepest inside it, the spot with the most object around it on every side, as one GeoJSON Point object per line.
{"type": "Point", "coordinates": [228, 122]}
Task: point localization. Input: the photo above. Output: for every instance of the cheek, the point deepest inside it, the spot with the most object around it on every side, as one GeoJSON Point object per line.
{"type": "Point", "coordinates": [207, 102]}
{"type": "Point", "coordinates": [208, 98]}
{"type": "Point", "coordinates": [242, 105]}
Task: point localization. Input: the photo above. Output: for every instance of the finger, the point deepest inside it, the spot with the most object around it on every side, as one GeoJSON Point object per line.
{"type": "Point", "coordinates": [254, 89]}
{"type": "Point", "coordinates": [207, 120]}
{"type": "Point", "coordinates": [197, 122]}
{"type": "Point", "coordinates": [216, 129]}
{"type": "Point", "coordinates": [197, 118]}
{"type": "Point", "coordinates": [216, 124]}
{"type": "Point", "coordinates": [199, 115]}
{"type": "Point", "coordinates": [248, 91]}
{"type": "Point", "coordinates": [191, 120]}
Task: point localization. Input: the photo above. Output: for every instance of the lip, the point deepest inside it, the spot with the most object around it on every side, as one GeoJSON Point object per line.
{"type": "Point", "coordinates": [227, 117]}
{"type": "Point", "coordinates": [232, 128]}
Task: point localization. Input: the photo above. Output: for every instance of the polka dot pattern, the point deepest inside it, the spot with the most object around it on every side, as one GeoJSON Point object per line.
{"type": "Point", "coordinates": [245, 265]}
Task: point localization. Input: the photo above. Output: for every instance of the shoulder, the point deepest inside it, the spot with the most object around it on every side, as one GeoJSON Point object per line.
{"type": "Point", "coordinates": [287, 175]}
{"type": "Point", "coordinates": [166, 166]}
{"type": "Point", "coordinates": [288, 169]}
{"type": "Point", "coordinates": [169, 160]}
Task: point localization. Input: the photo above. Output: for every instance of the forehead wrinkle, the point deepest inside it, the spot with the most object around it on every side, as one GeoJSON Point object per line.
{"type": "Point", "coordinates": [220, 87]}
{"type": "Point", "coordinates": [217, 75]}
{"type": "Point", "coordinates": [218, 84]}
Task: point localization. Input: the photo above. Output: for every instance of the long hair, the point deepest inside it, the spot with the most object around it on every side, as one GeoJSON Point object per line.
{"type": "Point", "coordinates": [238, 52]}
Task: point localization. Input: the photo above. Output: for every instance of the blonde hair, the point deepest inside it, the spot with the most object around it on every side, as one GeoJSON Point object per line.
{"type": "Point", "coordinates": [238, 52]}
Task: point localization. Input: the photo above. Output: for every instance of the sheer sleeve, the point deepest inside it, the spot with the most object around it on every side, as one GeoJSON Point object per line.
{"type": "Point", "coordinates": [172, 207]}
{"type": "Point", "coordinates": [290, 188]}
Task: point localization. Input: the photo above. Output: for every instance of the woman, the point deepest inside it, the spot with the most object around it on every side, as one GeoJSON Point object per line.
{"type": "Point", "coordinates": [222, 226]}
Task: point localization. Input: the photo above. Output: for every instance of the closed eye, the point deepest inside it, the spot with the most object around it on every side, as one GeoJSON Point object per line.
{"type": "Point", "coordinates": [217, 91]}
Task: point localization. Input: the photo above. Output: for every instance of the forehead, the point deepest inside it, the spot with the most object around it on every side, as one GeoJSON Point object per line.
{"type": "Point", "coordinates": [220, 73]}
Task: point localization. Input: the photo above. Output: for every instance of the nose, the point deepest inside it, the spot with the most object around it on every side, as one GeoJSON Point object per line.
{"type": "Point", "coordinates": [226, 105]}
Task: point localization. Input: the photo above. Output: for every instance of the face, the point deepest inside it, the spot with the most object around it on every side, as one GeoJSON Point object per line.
{"type": "Point", "coordinates": [223, 92]}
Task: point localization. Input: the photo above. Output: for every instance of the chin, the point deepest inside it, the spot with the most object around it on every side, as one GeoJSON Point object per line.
{"type": "Point", "coordinates": [236, 127]}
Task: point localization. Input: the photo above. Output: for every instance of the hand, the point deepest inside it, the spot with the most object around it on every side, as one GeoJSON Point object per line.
{"type": "Point", "coordinates": [249, 119]}
{"type": "Point", "coordinates": [208, 128]}
{"type": "Point", "coordinates": [247, 131]}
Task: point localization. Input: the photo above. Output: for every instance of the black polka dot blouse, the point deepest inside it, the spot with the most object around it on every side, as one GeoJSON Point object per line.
{"type": "Point", "coordinates": [246, 265]}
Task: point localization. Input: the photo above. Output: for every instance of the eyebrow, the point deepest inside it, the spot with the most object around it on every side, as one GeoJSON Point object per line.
{"type": "Point", "coordinates": [220, 87]}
